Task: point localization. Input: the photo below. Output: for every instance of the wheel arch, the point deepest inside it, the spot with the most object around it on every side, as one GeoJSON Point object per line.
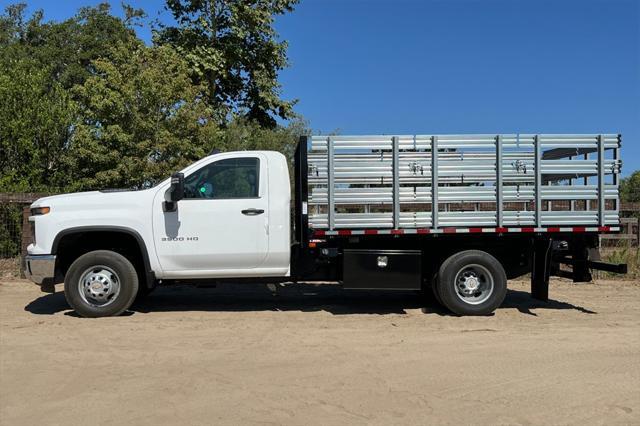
{"type": "Point", "coordinates": [71, 243]}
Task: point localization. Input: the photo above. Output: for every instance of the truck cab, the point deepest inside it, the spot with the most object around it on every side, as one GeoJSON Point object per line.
{"type": "Point", "coordinates": [232, 220]}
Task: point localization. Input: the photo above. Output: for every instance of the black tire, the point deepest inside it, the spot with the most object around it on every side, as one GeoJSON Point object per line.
{"type": "Point", "coordinates": [433, 290]}
{"type": "Point", "coordinates": [481, 266]}
{"type": "Point", "coordinates": [98, 266]}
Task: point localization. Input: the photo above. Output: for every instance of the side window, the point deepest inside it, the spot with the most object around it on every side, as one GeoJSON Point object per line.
{"type": "Point", "coordinates": [230, 178]}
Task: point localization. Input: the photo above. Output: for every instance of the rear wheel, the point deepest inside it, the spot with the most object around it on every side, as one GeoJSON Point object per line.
{"type": "Point", "coordinates": [101, 283]}
{"type": "Point", "coordinates": [471, 282]}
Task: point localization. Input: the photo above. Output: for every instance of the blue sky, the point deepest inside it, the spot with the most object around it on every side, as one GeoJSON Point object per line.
{"type": "Point", "coordinates": [458, 66]}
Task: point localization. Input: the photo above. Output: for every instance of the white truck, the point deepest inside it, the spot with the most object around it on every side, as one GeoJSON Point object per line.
{"type": "Point", "coordinates": [454, 215]}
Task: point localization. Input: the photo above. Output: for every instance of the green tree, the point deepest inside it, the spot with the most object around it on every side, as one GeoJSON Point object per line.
{"type": "Point", "coordinates": [66, 48]}
{"type": "Point", "coordinates": [141, 119]}
{"type": "Point", "coordinates": [87, 105]}
{"type": "Point", "coordinates": [35, 123]}
{"type": "Point", "coordinates": [39, 65]}
{"type": "Point", "coordinates": [244, 134]}
{"type": "Point", "coordinates": [630, 188]}
{"type": "Point", "coordinates": [234, 50]}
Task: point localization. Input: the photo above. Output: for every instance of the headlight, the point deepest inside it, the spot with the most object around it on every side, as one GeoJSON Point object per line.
{"type": "Point", "coordinates": [36, 211]}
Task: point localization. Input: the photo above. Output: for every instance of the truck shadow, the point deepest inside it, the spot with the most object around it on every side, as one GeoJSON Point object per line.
{"type": "Point", "coordinates": [300, 297]}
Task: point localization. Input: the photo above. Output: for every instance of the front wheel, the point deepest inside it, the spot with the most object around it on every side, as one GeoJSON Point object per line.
{"type": "Point", "coordinates": [101, 283]}
{"type": "Point", "coordinates": [472, 282]}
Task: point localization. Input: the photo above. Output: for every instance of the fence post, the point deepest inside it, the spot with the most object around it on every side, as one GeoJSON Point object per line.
{"type": "Point", "coordinates": [25, 238]}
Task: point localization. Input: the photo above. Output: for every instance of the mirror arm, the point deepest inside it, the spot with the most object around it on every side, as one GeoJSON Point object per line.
{"type": "Point", "coordinates": [169, 206]}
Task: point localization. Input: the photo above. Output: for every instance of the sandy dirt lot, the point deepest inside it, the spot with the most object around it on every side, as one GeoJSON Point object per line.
{"type": "Point", "coordinates": [237, 354]}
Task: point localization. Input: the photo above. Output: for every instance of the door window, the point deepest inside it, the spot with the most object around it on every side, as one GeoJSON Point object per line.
{"type": "Point", "coordinates": [229, 178]}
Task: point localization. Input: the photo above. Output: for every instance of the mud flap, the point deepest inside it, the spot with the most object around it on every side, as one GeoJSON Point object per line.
{"type": "Point", "coordinates": [48, 286]}
{"type": "Point", "coordinates": [580, 264]}
{"type": "Point", "coordinates": [541, 269]}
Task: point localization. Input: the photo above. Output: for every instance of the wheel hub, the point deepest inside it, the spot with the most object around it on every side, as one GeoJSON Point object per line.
{"type": "Point", "coordinates": [99, 286]}
{"type": "Point", "coordinates": [474, 284]}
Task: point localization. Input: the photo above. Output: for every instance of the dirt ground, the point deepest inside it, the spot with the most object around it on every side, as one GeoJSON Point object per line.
{"type": "Point", "coordinates": [237, 354]}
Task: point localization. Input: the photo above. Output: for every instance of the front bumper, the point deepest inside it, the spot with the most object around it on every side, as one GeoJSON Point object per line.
{"type": "Point", "coordinates": [38, 268]}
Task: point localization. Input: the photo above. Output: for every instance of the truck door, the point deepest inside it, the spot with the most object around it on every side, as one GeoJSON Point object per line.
{"type": "Point", "coordinates": [221, 225]}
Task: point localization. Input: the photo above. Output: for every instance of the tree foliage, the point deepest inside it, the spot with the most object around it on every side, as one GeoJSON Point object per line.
{"type": "Point", "coordinates": [234, 50]}
{"type": "Point", "coordinates": [35, 118]}
{"type": "Point", "coordinates": [66, 48]}
{"type": "Point", "coordinates": [630, 188]}
{"type": "Point", "coordinates": [40, 64]}
{"type": "Point", "coordinates": [142, 118]}
{"type": "Point", "coordinates": [88, 105]}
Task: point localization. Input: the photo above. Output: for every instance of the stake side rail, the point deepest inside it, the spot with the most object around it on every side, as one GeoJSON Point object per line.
{"type": "Point", "coordinates": [439, 184]}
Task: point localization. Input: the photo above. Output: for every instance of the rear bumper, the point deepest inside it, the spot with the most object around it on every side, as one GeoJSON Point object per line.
{"type": "Point", "coordinates": [38, 268]}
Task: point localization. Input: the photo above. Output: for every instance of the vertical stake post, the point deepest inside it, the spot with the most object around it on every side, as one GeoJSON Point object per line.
{"type": "Point", "coordinates": [601, 210]}
{"type": "Point", "coordinates": [434, 181]}
{"type": "Point", "coordinates": [572, 203]}
{"type": "Point", "coordinates": [616, 175]}
{"type": "Point", "coordinates": [538, 180]}
{"type": "Point", "coordinates": [330, 184]}
{"type": "Point", "coordinates": [585, 181]}
{"type": "Point", "coordinates": [25, 238]}
{"type": "Point", "coordinates": [499, 213]}
{"type": "Point", "coordinates": [396, 182]}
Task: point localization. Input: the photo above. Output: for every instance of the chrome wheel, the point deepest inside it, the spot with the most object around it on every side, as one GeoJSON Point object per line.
{"type": "Point", "coordinates": [474, 284]}
{"type": "Point", "coordinates": [99, 286]}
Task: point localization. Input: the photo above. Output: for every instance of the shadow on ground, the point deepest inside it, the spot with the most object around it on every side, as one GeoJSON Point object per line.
{"type": "Point", "coordinates": [298, 297]}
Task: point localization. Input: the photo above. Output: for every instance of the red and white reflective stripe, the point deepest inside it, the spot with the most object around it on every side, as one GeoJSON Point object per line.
{"type": "Point", "coordinates": [348, 232]}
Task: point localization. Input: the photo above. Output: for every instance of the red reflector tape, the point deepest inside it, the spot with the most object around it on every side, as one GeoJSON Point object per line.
{"type": "Point", "coordinates": [452, 230]}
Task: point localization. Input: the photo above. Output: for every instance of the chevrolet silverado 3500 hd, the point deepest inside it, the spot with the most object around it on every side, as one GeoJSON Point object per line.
{"type": "Point", "coordinates": [456, 215]}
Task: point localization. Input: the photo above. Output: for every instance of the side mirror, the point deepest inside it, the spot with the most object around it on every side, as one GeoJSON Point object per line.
{"type": "Point", "coordinates": [175, 192]}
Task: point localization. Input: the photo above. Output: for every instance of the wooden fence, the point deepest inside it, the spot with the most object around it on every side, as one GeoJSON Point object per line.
{"type": "Point", "coordinates": [630, 232]}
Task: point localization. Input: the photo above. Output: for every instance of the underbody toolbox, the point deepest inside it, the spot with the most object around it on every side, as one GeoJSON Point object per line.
{"type": "Point", "coordinates": [382, 269]}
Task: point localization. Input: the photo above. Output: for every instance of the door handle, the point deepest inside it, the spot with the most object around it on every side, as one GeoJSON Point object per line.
{"type": "Point", "coordinates": [252, 212]}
